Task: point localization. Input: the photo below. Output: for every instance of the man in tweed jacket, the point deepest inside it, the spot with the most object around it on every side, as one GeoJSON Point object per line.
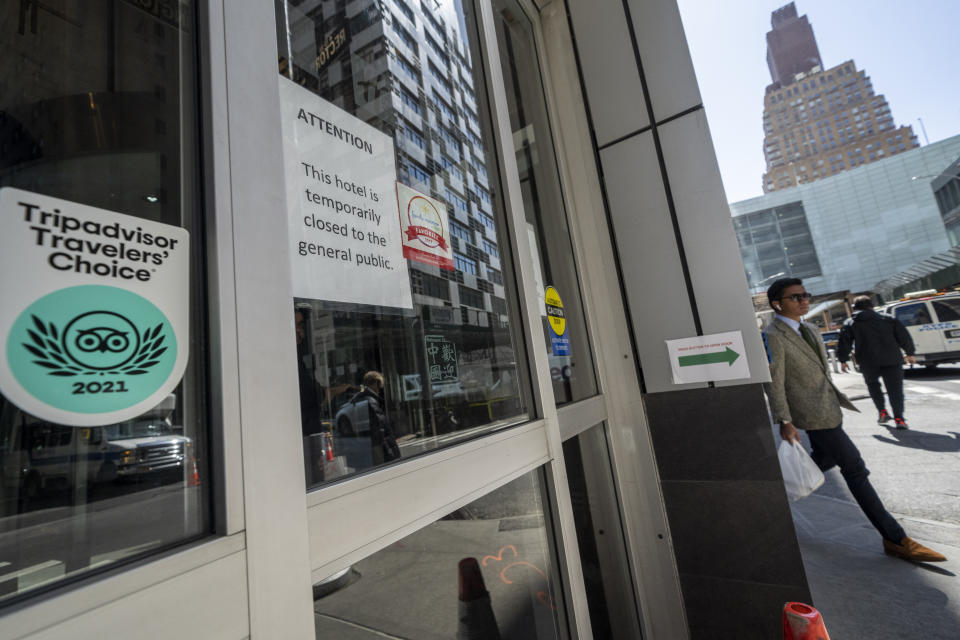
{"type": "Point", "coordinates": [802, 395]}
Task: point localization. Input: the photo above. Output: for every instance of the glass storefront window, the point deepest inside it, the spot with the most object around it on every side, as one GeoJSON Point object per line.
{"type": "Point", "coordinates": [483, 571]}
{"type": "Point", "coordinates": [558, 288]}
{"type": "Point", "coordinates": [380, 383]}
{"type": "Point", "coordinates": [98, 113]}
{"type": "Point", "coordinates": [603, 556]}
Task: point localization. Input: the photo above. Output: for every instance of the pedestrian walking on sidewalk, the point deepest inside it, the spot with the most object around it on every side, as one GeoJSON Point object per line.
{"type": "Point", "coordinates": [879, 342]}
{"type": "Point", "coordinates": [802, 395]}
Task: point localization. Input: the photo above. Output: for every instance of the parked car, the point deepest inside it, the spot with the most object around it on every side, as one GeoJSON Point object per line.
{"type": "Point", "coordinates": [830, 338]}
{"type": "Point", "coordinates": [934, 324]}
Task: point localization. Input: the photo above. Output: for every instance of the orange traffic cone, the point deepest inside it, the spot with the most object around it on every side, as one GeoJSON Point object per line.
{"type": "Point", "coordinates": [329, 447]}
{"type": "Point", "coordinates": [803, 622]}
{"type": "Point", "coordinates": [193, 474]}
{"type": "Point", "coordinates": [475, 617]}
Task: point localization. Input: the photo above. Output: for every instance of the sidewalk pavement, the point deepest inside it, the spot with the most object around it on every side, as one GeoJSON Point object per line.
{"type": "Point", "coordinates": [851, 384]}
{"type": "Point", "coordinates": [860, 591]}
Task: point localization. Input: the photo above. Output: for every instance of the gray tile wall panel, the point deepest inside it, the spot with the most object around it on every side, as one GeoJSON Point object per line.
{"type": "Point", "coordinates": [608, 64]}
{"type": "Point", "coordinates": [652, 271]}
{"type": "Point", "coordinates": [665, 56]}
{"type": "Point", "coordinates": [713, 257]}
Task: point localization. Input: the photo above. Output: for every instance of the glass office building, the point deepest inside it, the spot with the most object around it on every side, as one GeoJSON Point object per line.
{"type": "Point", "coordinates": [330, 317]}
{"type": "Point", "coordinates": [775, 242]}
{"type": "Point", "coordinates": [900, 200]}
{"type": "Point", "coordinates": [946, 189]}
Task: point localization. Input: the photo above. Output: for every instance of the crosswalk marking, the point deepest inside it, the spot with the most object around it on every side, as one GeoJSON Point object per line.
{"type": "Point", "coordinates": [931, 391]}
{"type": "Point", "coordinates": [919, 389]}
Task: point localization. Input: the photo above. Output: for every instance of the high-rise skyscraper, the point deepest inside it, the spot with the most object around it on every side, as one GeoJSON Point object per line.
{"type": "Point", "coordinates": [818, 122]}
{"type": "Point", "coordinates": [791, 46]}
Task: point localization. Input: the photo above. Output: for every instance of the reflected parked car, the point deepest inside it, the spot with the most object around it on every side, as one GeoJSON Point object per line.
{"type": "Point", "coordinates": [39, 455]}
{"type": "Point", "coordinates": [353, 418]}
{"type": "Point", "coordinates": [149, 445]}
{"type": "Point", "coordinates": [413, 388]}
{"type": "Point", "coordinates": [352, 432]}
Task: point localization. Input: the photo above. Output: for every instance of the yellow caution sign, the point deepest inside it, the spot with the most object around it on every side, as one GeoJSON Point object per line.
{"type": "Point", "coordinates": [558, 321]}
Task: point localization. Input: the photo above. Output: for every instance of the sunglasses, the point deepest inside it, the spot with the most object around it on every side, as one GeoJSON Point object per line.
{"type": "Point", "coordinates": [797, 297]}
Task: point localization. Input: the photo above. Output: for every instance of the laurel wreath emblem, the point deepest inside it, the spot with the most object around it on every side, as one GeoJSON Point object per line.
{"type": "Point", "coordinates": [50, 355]}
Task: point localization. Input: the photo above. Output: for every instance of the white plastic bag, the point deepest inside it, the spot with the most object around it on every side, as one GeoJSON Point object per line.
{"type": "Point", "coordinates": [801, 476]}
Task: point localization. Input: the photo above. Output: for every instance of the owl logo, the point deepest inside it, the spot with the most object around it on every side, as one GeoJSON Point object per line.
{"type": "Point", "coordinates": [96, 342]}
{"type": "Point", "coordinates": [100, 340]}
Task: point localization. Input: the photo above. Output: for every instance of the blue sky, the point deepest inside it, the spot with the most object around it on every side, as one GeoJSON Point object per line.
{"type": "Point", "coordinates": [909, 50]}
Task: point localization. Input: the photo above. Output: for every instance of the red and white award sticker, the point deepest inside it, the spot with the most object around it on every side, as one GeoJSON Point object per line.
{"type": "Point", "coordinates": [425, 228]}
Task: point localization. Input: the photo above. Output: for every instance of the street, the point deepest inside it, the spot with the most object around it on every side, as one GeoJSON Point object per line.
{"type": "Point", "coordinates": [861, 592]}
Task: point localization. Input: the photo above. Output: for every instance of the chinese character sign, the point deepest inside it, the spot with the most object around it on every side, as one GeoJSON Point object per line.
{"type": "Point", "coordinates": [441, 360]}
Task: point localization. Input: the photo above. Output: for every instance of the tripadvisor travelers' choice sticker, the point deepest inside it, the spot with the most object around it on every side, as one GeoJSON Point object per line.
{"type": "Point", "coordinates": [426, 229]}
{"type": "Point", "coordinates": [559, 342]}
{"type": "Point", "coordinates": [95, 315]}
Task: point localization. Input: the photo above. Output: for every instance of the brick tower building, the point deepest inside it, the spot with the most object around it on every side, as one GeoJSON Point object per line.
{"type": "Point", "coordinates": [818, 122]}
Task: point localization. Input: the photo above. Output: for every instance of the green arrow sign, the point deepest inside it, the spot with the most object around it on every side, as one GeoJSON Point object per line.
{"type": "Point", "coordinates": [728, 356]}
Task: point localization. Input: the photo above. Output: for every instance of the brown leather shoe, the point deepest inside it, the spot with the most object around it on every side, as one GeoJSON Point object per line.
{"type": "Point", "coordinates": [910, 549]}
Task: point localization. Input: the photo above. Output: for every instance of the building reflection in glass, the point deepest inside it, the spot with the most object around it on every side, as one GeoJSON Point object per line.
{"type": "Point", "coordinates": [452, 368]}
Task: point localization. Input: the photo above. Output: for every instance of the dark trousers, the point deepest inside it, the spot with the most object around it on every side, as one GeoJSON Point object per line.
{"type": "Point", "coordinates": [892, 380]}
{"type": "Point", "coordinates": [833, 447]}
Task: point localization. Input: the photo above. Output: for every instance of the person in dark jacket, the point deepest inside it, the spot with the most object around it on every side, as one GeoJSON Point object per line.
{"type": "Point", "coordinates": [311, 393]}
{"type": "Point", "coordinates": [382, 439]}
{"type": "Point", "coordinates": [315, 399]}
{"type": "Point", "coordinates": [879, 340]}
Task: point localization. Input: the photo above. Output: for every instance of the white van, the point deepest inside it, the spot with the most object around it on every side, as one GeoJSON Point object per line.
{"type": "Point", "coordinates": [933, 321]}
{"type": "Point", "coordinates": [36, 455]}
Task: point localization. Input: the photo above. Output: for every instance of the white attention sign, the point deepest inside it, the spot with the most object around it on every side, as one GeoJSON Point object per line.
{"type": "Point", "coordinates": [720, 356]}
{"type": "Point", "coordinates": [94, 325]}
{"type": "Point", "coordinates": [345, 240]}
